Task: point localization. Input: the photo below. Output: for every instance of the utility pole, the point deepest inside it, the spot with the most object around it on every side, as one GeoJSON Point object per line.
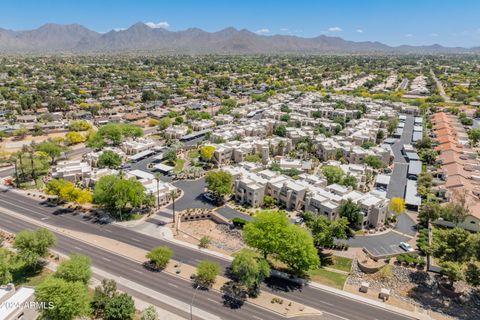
{"type": "Point", "coordinates": [173, 194]}
{"type": "Point", "coordinates": [191, 303]}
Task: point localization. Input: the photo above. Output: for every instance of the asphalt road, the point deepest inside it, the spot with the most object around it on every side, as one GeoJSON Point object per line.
{"type": "Point", "coordinates": [165, 283]}
{"type": "Point", "coordinates": [323, 300]}
{"type": "Point", "coordinates": [398, 180]}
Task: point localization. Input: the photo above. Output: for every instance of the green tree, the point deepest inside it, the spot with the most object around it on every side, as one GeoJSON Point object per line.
{"type": "Point", "coordinates": [349, 181]}
{"type": "Point", "coordinates": [392, 124]}
{"type": "Point", "coordinates": [352, 212]}
{"type": "Point", "coordinates": [164, 123]}
{"type": "Point", "coordinates": [148, 95]}
{"type": "Point", "coordinates": [298, 250]}
{"type": "Point", "coordinates": [120, 307]}
{"type": "Point", "coordinates": [280, 131]}
{"type": "Point", "coordinates": [374, 162]}
{"type": "Point", "coordinates": [77, 268]}
{"type": "Point", "coordinates": [207, 272]}
{"type": "Point", "coordinates": [149, 313]}
{"type": "Point", "coordinates": [472, 273]}
{"type": "Point", "coordinates": [33, 245]}
{"type": "Point", "coordinates": [102, 295]}
{"type": "Point", "coordinates": [219, 182]}
{"type": "Point", "coordinates": [429, 211]}
{"type": "Point", "coordinates": [6, 266]}
{"type": "Point", "coordinates": [95, 141]}
{"type": "Point", "coordinates": [69, 299]}
{"type": "Point", "coordinates": [170, 156]}
{"type": "Point", "coordinates": [325, 231]}
{"type": "Point", "coordinates": [452, 270]}
{"type": "Point", "coordinates": [160, 256]}
{"type": "Point", "coordinates": [269, 201]}
{"type": "Point", "coordinates": [51, 148]}
{"type": "Point", "coordinates": [452, 245]}
{"type": "Point", "coordinates": [333, 174]}
{"type": "Point", "coordinates": [249, 270]}
{"type": "Point", "coordinates": [109, 159]}
{"type": "Point", "coordinates": [266, 231]}
{"type": "Point", "coordinates": [119, 195]}
{"type": "Point", "coordinates": [474, 136]}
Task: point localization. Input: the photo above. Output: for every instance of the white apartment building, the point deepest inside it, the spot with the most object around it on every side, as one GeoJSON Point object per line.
{"type": "Point", "coordinates": [175, 132]}
{"type": "Point", "coordinates": [73, 171]}
{"type": "Point", "coordinates": [136, 146]}
{"type": "Point", "coordinates": [309, 193]}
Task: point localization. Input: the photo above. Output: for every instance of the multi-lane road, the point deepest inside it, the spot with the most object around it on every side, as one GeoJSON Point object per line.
{"type": "Point", "coordinates": [326, 301]}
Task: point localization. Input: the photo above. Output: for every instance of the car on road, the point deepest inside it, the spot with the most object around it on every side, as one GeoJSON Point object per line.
{"type": "Point", "coordinates": [210, 197]}
{"type": "Point", "coordinates": [405, 246]}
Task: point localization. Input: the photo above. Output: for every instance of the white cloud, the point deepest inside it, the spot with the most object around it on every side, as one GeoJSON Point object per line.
{"type": "Point", "coordinates": [118, 29]}
{"type": "Point", "coordinates": [160, 25]}
{"type": "Point", "coordinates": [263, 31]}
{"type": "Point", "coordinates": [334, 29]}
{"type": "Point", "coordinates": [408, 35]}
{"type": "Point", "coordinates": [434, 34]}
{"type": "Point", "coordinates": [359, 30]}
{"type": "Point", "coordinates": [284, 29]}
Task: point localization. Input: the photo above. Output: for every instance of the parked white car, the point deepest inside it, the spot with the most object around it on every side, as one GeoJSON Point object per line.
{"type": "Point", "coordinates": [405, 246]}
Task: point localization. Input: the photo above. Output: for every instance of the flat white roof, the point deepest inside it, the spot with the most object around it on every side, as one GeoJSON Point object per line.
{"type": "Point", "coordinates": [141, 174]}
{"type": "Point", "coordinates": [19, 298]}
{"type": "Point", "coordinates": [383, 179]}
{"type": "Point", "coordinates": [163, 167]}
{"type": "Point", "coordinates": [141, 154]}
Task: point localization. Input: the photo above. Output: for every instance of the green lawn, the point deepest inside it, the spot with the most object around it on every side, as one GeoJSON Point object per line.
{"type": "Point", "coordinates": [341, 263]}
{"type": "Point", "coordinates": [329, 278]}
{"type": "Point", "coordinates": [179, 163]}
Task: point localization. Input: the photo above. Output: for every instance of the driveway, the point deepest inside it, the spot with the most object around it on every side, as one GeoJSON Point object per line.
{"type": "Point", "coordinates": [192, 195]}
{"type": "Point", "coordinates": [406, 225]}
{"type": "Point", "coordinates": [398, 180]}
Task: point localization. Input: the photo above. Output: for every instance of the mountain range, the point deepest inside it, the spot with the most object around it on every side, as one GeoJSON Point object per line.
{"type": "Point", "coordinates": [74, 38]}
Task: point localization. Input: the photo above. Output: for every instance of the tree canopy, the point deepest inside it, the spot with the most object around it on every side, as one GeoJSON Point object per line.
{"type": "Point", "coordinates": [119, 195]}
{"type": "Point", "coordinates": [219, 182]}
{"type": "Point", "coordinates": [33, 245]}
{"type": "Point", "coordinates": [69, 299]}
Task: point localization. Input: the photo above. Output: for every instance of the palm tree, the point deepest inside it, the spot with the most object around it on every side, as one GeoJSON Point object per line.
{"type": "Point", "coordinates": [158, 175]}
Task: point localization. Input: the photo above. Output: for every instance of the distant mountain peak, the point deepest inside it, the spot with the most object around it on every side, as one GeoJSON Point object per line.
{"type": "Point", "coordinates": [76, 38]}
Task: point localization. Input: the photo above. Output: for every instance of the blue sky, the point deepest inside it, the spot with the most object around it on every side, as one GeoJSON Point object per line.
{"type": "Point", "coordinates": [394, 22]}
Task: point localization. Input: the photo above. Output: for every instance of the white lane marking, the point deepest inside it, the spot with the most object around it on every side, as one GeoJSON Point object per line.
{"type": "Point", "coordinates": [327, 303]}
{"type": "Point", "coordinates": [255, 317]}
{"type": "Point", "coordinates": [106, 230]}
{"type": "Point", "coordinates": [172, 285]}
{"type": "Point", "coordinates": [137, 271]}
{"type": "Point", "coordinates": [75, 247]}
{"type": "Point", "coordinates": [135, 239]}
{"type": "Point", "coordinates": [209, 299]}
{"type": "Point", "coordinates": [106, 259]}
{"type": "Point", "coordinates": [44, 218]}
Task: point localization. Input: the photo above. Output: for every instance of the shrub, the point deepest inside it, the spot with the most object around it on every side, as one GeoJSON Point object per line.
{"type": "Point", "coordinates": [239, 222]}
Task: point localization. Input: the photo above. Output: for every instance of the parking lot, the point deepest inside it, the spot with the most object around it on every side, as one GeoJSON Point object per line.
{"type": "Point", "coordinates": [387, 243]}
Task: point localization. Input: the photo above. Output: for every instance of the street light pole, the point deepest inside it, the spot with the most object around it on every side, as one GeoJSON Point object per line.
{"type": "Point", "coordinates": [191, 303]}
{"type": "Point", "coordinates": [173, 194]}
